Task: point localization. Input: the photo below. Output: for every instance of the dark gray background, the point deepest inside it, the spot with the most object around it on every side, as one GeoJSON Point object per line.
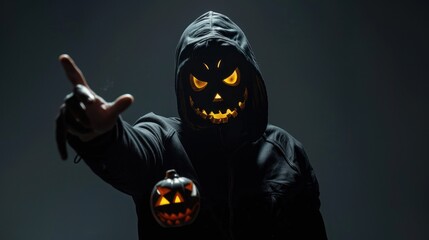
{"type": "Point", "coordinates": [349, 80]}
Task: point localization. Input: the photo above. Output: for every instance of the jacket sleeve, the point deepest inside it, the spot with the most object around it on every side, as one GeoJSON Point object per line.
{"type": "Point", "coordinates": [127, 156]}
{"type": "Point", "coordinates": [295, 207]}
{"type": "Point", "coordinates": [308, 220]}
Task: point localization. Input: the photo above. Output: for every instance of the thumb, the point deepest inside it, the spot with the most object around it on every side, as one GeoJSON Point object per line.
{"type": "Point", "coordinates": [121, 103]}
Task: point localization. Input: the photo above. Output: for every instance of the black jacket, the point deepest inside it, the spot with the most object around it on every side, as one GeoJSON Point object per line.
{"type": "Point", "coordinates": [254, 181]}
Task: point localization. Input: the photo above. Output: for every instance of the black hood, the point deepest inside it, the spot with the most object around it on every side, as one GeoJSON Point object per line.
{"type": "Point", "coordinates": [215, 32]}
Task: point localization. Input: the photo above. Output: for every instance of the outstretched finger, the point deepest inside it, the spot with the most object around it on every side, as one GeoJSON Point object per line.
{"type": "Point", "coordinates": [72, 71]}
{"type": "Point", "coordinates": [121, 103]}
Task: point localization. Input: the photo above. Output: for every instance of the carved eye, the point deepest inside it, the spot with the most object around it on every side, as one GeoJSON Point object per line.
{"type": "Point", "coordinates": [196, 84]}
{"type": "Point", "coordinates": [162, 201]}
{"type": "Point", "coordinates": [233, 79]}
{"type": "Point", "coordinates": [178, 198]}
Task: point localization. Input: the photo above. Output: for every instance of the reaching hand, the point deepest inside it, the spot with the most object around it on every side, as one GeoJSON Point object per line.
{"type": "Point", "coordinates": [83, 113]}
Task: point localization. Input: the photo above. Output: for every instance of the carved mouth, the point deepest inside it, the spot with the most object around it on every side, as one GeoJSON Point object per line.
{"type": "Point", "coordinates": [177, 219]}
{"type": "Point", "coordinates": [220, 116]}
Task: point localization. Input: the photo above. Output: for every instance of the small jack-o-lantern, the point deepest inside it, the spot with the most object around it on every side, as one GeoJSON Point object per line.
{"type": "Point", "coordinates": [175, 200]}
{"type": "Point", "coordinates": [217, 93]}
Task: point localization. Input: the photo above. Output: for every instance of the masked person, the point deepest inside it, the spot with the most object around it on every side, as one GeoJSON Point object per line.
{"type": "Point", "coordinates": [254, 179]}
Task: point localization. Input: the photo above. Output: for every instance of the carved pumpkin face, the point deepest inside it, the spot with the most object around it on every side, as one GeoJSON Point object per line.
{"type": "Point", "coordinates": [175, 200]}
{"type": "Point", "coordinates": [218, 93]}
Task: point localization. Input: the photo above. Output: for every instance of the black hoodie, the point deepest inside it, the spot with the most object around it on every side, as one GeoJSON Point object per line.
{"type": "Point", "coordinates": [254, 178]}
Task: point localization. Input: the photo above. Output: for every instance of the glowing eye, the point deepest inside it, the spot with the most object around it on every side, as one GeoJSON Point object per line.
{"type": "Point", "coordinates": [233, 79]}
{"type": "Point", "coordinates": [162, 201]}
{"type": "Point", "coordinates": [196, 84]}
{"type": "Point", "coordinates": [178, 198]}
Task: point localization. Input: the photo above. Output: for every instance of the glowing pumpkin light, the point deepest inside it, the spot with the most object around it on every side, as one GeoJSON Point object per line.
{"type": "Point", "coordinates": [217, 96]}
{"type": "Point", "coordinates": [175, 200]}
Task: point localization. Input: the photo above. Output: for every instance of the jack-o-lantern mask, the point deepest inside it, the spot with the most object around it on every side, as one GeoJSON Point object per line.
{"type": "Point", "coordinates": [217, 93]}
{"type": "Point", "coordinates": [219, 87]}
{"type": "Point", "coordinates": [175, 200]}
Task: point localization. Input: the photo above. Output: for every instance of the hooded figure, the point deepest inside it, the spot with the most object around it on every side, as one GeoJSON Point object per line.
{"type": "Point", "coordinates": [253, 178]}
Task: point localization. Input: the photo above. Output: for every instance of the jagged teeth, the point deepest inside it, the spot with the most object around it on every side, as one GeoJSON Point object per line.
{"type": "Point", "coordinates": [220, 117]}
{"type": "Point", "coordinates": [217, 117]}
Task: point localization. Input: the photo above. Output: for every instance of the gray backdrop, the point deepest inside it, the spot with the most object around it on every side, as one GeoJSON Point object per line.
{"type": "Point", "coordinates": [349, 80]}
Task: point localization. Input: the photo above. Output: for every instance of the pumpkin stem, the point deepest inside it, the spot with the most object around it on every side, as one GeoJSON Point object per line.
{"type": "Point", "coordinates": [171, 174]}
